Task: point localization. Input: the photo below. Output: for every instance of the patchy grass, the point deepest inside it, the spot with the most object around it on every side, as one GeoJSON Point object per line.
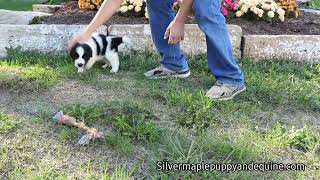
{"type": "Point", "coordinates": [8, 122]}
{"type": "Point", "coordinates": [27, 78]}
{"type": "Point", "coordinates": [68, 134]}
{"type": "Point", "coordinates": [156, 120]}
{"type": "Point", "coordinates": [32, 72]}
{"type": "Point", "coordinates": [302, 139]}
{"type": "Point", "coordinates": [129, 122]}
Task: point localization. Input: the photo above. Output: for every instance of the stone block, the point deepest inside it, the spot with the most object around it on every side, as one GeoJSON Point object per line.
{"type": "Point", "coordinates": [42, 38]}
{"type": "Point", "coordinates": [19, 17]}
{"type": "Point", "coordinates": [45, 8]}
{"type": "Point", "coordinates": [304, 48]}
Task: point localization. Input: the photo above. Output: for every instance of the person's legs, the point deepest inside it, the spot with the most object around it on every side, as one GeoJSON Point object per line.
{"type": "Point", "coordinates": [160, 16]}
{"type": "Point", "coordinates": [220, 57]}
{"type": "Point", "coordinates": [222, 64]}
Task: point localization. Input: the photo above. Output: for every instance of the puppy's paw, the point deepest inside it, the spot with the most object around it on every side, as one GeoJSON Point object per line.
{"type": "Point", "coordinates": [105, 66]}
{"type": "Point", "coordinates": [113, 71]}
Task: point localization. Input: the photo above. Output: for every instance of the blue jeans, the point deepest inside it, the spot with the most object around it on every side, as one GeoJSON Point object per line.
{"type": "Point", "coordinates": [221, 61]}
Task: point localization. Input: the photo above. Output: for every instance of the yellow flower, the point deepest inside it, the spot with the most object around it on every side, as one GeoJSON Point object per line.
{"type": "Point", "coordinates": [137, 9]}
{"type": "Point", "coordinates": [130, 7]}
{"type": "Point", "coordinates": [244, 9]}
{"type": "Point", "coordinates": [139, 3]}
{"type": "Point", "coordinates": [239, 13]}
{"type": "Point", "coordinates": [260, 12]}
{"type": "Point", "coordinates": [265, 6]}
{"type": "Point", "coordinates": [271, 14]}
{"type": "Point", "coordinates": [124, 9]}
{"type": "Point", "coordinates": [281, 18]}
{"type": "Point", "coordinates": [281, 12]}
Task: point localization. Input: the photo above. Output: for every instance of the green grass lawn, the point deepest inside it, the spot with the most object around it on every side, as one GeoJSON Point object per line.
{"type": "Point", "coordinates": [24, 5]}
{"type": "Point", "coordinates": [20, 5]}
{"type": "Point", "coordinates": [315, 4]}
{"type": "Point", "coordinates": [275, 120]}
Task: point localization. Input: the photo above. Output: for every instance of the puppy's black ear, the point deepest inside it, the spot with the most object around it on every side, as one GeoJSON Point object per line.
{"type": "Point", "coordinates": [87, 52]}
{"type": "Point", "coordinates": [73, 53]}
{"type": "Point", "coordinates": [115, 42]}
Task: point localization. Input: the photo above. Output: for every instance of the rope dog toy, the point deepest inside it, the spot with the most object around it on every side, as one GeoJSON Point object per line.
{"type": "Point", "coordinates": [91, 133]}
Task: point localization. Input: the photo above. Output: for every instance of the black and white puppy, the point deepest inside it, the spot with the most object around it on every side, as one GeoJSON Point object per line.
{"type": "Point", "coordinates": [99, 47]}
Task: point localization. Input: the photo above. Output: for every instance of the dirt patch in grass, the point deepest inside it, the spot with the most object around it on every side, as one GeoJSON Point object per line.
{"type": "Point", "coordinates": [73, 91]}
{"type": "Point", "coordinates": [288, 117]}
{"type": "Point", "coordinates": [63, 93]}
{"type": "Point", "coordinates": [307, 24]}
{"type": "Point", "coordinates": [4, 97]}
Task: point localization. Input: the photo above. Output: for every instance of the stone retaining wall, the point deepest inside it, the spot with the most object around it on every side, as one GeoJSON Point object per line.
{"type": "Point", "coordinates": [45, 8]}
{"type": "Point", "coordinates": [54, 38]}
{"type": "Point", "coordinates": [193, 44]}
{"type": "Point", "coordinates": [19, 17]}
{"type": "Point", "coordinates": [302, 47]}
{"type": "Point", "coordinates": [43, 38]}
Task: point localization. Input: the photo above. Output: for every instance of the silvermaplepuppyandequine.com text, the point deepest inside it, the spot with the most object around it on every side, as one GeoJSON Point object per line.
{"type": "Point", "coordinates": [229, 167]}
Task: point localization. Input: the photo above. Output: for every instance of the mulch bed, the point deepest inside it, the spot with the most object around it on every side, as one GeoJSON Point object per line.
{"type": "Point", "coordinates": [307, 24]}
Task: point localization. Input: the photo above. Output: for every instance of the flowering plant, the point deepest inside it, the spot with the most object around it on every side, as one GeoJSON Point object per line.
{"type": "Point", "coordinates": [228, 7]}
{"type": "Point", "coordinates": [135, 8]}
{"type": "Point", "coordinates": [265, 9]}
{"type": "Point", "coordinates": [261, 9]}
{"type": "Point", "coordinates": [90, 4]}
{"type": "Point", "coordinates": [290, 6]}
{"type": "Point", "coordinates": [132, 8]}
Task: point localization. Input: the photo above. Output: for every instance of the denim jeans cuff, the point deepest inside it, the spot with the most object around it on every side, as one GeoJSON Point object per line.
{"type": "Point", "coordinates": [174, 69]}
{"type": "Point", "coordinates": [230, 82]}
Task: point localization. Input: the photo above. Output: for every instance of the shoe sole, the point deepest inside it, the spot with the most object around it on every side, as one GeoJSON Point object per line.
{"type": "Point", "coordinates": [231, 97]}
{"type": "Point", "coordinates": [182, 76]}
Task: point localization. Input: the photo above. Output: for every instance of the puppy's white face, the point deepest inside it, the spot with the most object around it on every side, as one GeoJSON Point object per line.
{"type": "Point", "coordinates": [81, 53]}
{"type": "Point", "coordinates": [80, 63]}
